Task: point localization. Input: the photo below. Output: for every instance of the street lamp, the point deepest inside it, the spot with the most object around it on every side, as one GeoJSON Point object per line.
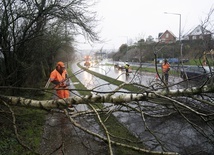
{"type": "Point", "coordinates": [179, 23]}
{"type": "Point", "coordinates": [179, 30]}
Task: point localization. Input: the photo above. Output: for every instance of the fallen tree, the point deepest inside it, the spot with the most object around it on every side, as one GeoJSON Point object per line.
{"type": "Point", "coordinates": [109, 98]}
{"type": "Point", "coordinates": [148, 104]}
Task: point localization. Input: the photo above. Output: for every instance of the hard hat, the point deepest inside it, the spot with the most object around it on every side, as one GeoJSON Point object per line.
{"type": "Point", "coordinates": [61, 64]}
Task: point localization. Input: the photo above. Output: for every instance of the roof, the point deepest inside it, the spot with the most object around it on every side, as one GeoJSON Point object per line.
{"type": "Point", "coordinates": [161, 34]}
{"type": "Point", "coordinates": [198, 31]}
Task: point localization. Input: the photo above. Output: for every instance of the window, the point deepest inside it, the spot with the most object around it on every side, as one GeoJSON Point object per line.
{"type": "Point", "coordinates": [167, 35]}
{"type": "Point", "coordinates": [201, 37]}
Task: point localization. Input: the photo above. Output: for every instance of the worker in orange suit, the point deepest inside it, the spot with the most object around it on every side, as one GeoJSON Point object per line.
{"type": "Point", "coordinates": [59, 77]}
{"type": "Point", "coordinates": [165, 71]}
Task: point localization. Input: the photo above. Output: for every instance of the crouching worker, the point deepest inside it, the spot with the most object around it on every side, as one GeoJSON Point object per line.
{"type": "Point", "coordinates": [59, 77]}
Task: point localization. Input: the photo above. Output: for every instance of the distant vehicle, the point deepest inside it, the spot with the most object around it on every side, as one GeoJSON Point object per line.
{"type": "Point", "coordinates": [173, 60]}
{"type": "Point", "coordinates": [87, 61]}
{"type": "Point", "coordinates": [159, 60]}
{"type": "Point", "coordinates": [87, 64]}
{"type": "Point", "coordinates": [87, 58]}
{"type": "Point", "coordinates": [196, 73]}
{"type": "Point", "coordinates": [184, 60]}
{"type": "Point", "coordinates": [119, 65]}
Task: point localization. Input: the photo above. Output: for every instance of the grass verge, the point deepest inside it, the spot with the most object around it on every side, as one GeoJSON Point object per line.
{"type": "Point", "coordinates": [129, 87]}
{"type": "Point", "coordinates": [29, 124]}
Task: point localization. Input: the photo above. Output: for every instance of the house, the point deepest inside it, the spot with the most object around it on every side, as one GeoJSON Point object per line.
{"type": "Point", "coordinates": [198, 33]}
{"type": "Point", "coordinates": [166, 37]}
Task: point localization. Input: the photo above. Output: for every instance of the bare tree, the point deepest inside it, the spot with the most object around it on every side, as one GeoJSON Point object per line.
{"type": "Point", "coordinates": [27, 23]}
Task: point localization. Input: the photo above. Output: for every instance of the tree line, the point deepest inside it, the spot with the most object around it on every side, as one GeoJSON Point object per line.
{"type": "Point", "coordinates": [34, 34]}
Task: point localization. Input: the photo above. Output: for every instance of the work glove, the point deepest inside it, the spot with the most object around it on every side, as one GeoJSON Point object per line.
{"type": "Point", "coordinates": [65, 83]}
{"type": "Point", "coordinates": [68, 82]}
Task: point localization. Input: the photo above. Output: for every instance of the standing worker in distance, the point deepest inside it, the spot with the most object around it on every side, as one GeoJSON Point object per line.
{"type": "Point", "coordinates": [127, 68]}
{"type": "Point", "coordinates": [165, 71]}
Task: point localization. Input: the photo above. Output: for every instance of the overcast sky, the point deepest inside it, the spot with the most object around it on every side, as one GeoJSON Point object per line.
{"type": "Point", "coordinates": [126, 21]}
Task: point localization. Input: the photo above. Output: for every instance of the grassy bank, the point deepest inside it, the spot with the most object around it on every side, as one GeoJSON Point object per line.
{"type": "Point", "coordinates": [28, 128]}
{"type": "Point", "coordinates": [21, 126]}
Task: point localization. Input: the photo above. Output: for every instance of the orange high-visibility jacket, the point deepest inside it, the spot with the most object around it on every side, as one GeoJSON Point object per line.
{"type": "Point", "coordinates": [165, 67]}
{"type": "Point", "coordinates": [55, 75]}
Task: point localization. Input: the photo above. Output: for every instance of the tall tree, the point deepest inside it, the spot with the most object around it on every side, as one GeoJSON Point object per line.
{"type": "Point", "coordinates": [26, 24]}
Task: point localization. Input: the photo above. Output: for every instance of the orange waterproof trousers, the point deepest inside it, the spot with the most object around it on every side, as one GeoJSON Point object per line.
{"type": "Point", "coordinates": [55, 75]}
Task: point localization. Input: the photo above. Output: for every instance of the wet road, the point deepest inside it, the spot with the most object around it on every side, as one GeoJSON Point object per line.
{"type": "Point", "coordinates": [167, 129]}
{"type": "Point", "coordinates": [142, 78]}
{"type": "Point", "coordinates": [61, 137]}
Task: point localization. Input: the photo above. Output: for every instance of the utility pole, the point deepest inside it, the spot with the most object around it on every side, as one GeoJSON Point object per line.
{"type": "Point", "coordinates": [181, 45]}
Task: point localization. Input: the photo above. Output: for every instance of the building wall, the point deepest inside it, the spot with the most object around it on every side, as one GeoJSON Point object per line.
{"type": "Point", "coordinates": [198, 37]}
{"type": "Point", "coordinates": [167, 37]}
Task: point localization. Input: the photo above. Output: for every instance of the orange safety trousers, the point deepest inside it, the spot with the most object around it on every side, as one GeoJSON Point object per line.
{"type": "Point", "coordinates": [55, 75]}
{"type": "Point", "coordinates": [63, 93]}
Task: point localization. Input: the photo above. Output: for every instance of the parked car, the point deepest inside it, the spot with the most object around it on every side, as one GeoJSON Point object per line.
{"type": "Point", "coordinates": [173, 60]}
{"type": "Point", "coordinates": [159, 60]}
{"type": "Point", "coordinates": [119, 65]}
{"type": "Point", "coordinates": [196, 73]}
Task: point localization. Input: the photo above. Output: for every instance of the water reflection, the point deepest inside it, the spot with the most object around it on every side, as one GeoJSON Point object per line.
{"type": "Point", "coordinates": [174, 132]}
{"type": "Point", "coordinates": [88, 81]}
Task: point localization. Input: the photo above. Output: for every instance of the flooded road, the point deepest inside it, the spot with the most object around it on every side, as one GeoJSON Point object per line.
{"type": "Point", "coordinates": [143, 78]}
{"type": "Point", "coordinates": [173, 131]}
{"type": "Point", "coordinates": [163, 131]}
